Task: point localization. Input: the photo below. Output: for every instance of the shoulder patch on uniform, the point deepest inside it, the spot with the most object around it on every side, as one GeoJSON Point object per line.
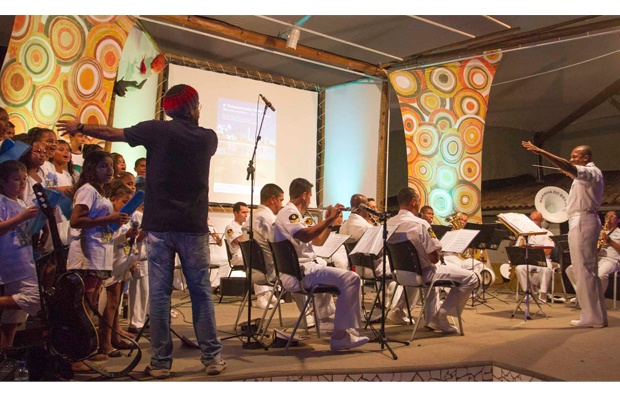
{"type": "Point", "coordinates": [293, 218]}
{"type": "Point", "coordinates": [229, 232]}
{"type": "Point", "coordinates": [432, 233]}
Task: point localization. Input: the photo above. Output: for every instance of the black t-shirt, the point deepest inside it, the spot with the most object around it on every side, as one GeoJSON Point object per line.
{"type": "Point", "coordinates": [178, 156]}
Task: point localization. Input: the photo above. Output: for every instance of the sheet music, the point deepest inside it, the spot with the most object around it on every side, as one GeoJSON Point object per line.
{"type": "Point", "coordinates": [371, 242]}
{"type": "Point", "coordinates": [458, 240]}
{"type": "Point", "coordinates": [521, 224]}
{"type": "Point", "coordinates": [331, 245]}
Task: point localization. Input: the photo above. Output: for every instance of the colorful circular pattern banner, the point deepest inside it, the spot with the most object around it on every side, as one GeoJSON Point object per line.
{"type": "Point", "coordinates": [444, 108]}
{"type": "Point", "coordinates": [62, 67]}
{"type": "Point", "coordinates": [16, 85]}
{"type": "Point", "coordinates": [67, 39]}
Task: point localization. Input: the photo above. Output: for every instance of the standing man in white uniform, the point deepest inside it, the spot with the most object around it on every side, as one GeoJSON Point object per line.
{"type": "Point", "coordinates": [608, 254]}
{"type": "Point", "coordinates": [420, 233]}
{"type": "Point", "coordinates": [540, 277]}
{"type": "Point", "coordinates": [584, 201]}
{"type": "Point", "coordinates": [290, 226]}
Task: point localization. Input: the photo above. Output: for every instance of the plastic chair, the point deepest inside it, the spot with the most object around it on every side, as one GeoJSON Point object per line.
{"type": "Point", "coordinates": [404, 258]}
{"type": "Point", "coordinates": [286, 263]}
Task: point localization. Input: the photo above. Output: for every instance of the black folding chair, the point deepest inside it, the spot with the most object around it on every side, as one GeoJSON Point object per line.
{"type": "Point", "coordinates": [259, 267]}
{"type": "Point", "coordinates": [404, 258]}
{"type": "Point", "coordinates": [286, 263]}
{"type": "Point", "coordinates": [233, 268]}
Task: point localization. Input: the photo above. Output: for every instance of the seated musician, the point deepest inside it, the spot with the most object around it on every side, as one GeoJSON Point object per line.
{"type": "Point", "coordinates": [290, 226]}
{"type": "Point", "coordinates": [420, 233]}
{"type": "Point", "coordinates": [540, 277]}
{"type": "Point", "coordinates": [359, 221]}
{"type": "Point", "coordinates": [466, 259]}
{"type": "Point", "coordinates": [608, 254]}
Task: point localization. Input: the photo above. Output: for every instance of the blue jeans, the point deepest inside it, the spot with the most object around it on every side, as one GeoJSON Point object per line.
{"type": "Point", "coordinates": [193, 250]}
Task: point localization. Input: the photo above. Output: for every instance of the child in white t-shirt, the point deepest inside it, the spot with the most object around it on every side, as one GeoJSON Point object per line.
{"type": "Point", "coordinates": [125, 256]}
{"type": "Point", "coordinates": [18, 277]}
{"type": "Point", "coordinates": [91, 248]}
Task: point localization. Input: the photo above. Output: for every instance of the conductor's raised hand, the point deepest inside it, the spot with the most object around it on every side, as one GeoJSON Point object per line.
{"type": "Point", "coordinates": [67, 126]}
{"type": "Point", "coordinates": [530, 147]}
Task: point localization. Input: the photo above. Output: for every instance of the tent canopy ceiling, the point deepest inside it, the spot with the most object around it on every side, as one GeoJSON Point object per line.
{"type": "Point", "coordinates": [551, 66]}
{"type": "Point", "coordinates": [542, 77]}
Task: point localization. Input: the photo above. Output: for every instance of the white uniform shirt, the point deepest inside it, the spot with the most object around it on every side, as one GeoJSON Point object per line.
{"type": "Point", "coordinates": [233, 231]}
{"type": "Point", "coordinates": [263, 220]}
{"type": "Point", "coordinates": [586, 192]}
{"type": "Point", "coordinates": [65, 179]}
{"type": "Point", "coordinates": [15, 246]}
{"type": "Point", "coordinates": [607, 251]}
{"type": "Point", "coordinates": [289, 221]}
{"type": "Point", "coordinates": [48, 180]}
{"type": "Point", "coordinates": [420, 233]}
{"type": "Point", "coordinates": [91, 248]}
{"type": "Point", "coordinates": [355, 226]}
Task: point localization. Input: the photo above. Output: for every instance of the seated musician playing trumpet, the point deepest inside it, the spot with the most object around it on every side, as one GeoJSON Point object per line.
{"type": "Point", "coordinates": [540, 277]}
{"type": "Point", "coordinates": [608, 254]}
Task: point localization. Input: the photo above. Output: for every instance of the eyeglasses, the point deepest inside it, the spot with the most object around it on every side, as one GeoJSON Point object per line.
{"type": "Point", "coordinates": [39, 152]}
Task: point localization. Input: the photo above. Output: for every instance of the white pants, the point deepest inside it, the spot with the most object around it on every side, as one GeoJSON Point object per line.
{"type": "Point", "coordinates": [457, 297]}
{"type": "Point", "coordinates": [582, 240]}
{"type": "Point", "coordinates": [540, 278]}
{"type": "Point", "coordinates": [606, 267]}
{"type": "Point", "coordinates": [138, 301]}
{"type": "Point", "coordinates": [348, 305]}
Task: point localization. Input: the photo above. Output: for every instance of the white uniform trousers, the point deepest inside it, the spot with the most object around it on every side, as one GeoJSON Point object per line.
{"type": "Point", "coordinates": [582, 240]}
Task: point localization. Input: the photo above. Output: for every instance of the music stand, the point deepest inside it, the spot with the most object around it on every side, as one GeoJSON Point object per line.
{"type": "Point", "coordinates": [381, 338]}
{"type": "Point", "coordinates": [440, 230]}
{"type": "Point", "coordinates": [488, 238]}
{"type": "Point", "coordinates": [527, 256]}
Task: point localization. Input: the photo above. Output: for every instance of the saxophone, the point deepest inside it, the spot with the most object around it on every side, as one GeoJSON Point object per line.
{"type": "Point", "coordinates": [601, 238]}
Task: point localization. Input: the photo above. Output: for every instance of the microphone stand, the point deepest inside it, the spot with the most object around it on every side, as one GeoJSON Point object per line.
{"type": "Point", "coordinates": [255, 344]}
{"type": "Point", "coordinates": [381, 337]}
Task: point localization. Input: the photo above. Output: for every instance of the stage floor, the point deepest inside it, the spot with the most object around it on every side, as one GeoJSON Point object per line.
{"type": "Point", "coordinates": [543, 348]}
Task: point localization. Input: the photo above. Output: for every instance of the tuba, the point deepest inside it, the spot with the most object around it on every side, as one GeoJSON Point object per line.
{"type": "Point", "coordinates": [552, 202]}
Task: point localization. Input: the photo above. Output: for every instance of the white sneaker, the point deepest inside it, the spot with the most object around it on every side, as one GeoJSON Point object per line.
{"type": "Point", "coordinates": [263, 301]}
{"type": "Point", "coordinates": [573, 300]}
{"type": "Point", "coordinates": [440, 322]}
{"type": "Point", "coordinates": [349, 341]}
{"type": "Point", "coordinates": [399, 316]}
{"type": "Point", "coordinates": [326, 325]}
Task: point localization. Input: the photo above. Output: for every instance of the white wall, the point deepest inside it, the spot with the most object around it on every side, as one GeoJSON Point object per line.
{"type": "Point", "coordinates": [351, 141]}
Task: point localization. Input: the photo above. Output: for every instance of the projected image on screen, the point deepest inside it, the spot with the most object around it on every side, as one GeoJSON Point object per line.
{"type": "Point", "coordinates": [231, 106]}
{"type": "Point", "coordinates": [236, 129]}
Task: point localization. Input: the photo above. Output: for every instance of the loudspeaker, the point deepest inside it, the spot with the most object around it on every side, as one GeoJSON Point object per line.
{"type": "Point", "coordinates": [233, 286]}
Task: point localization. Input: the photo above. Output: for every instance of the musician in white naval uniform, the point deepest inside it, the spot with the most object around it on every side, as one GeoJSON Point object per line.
{"type": "Point", "coordinates": [584, 201]}
{"type": "Point", "coordinates": [290, 226]}
{"type": "Point", "coordinates": [540, 277]}
{"type": "Point", "coordinates": [420, 233]}
{"type": "Point", "coordinates": [608, 254]}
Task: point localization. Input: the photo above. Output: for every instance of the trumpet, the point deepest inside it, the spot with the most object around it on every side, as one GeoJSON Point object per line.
{"type": "Point", "coordinates": [325, 208]}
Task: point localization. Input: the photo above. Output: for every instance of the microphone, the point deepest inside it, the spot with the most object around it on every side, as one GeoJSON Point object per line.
{"type": "Point", "coordinates": [375, 212]}
{"type": "Point", "coordinates": [369, 210]}
{"type": "Point", "coordinates": [134, 225]}
{"type": "Point", "coordinates": [267, 103]}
